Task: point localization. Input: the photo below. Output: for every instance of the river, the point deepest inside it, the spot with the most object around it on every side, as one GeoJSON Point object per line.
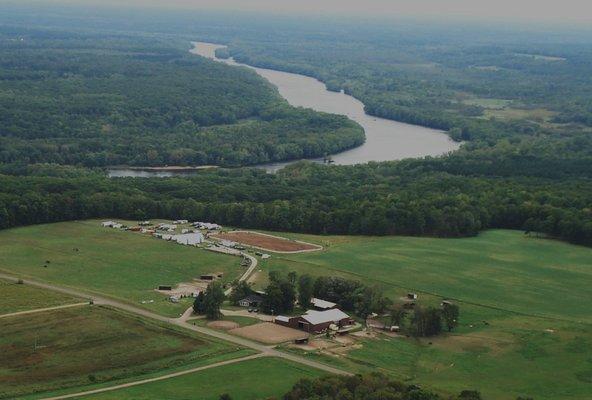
{"type": "Point", "coordinates": [386, 140]}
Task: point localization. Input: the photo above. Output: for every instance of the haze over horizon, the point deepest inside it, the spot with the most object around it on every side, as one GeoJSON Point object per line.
{"type": "Point", "coordinates": [565, 12]}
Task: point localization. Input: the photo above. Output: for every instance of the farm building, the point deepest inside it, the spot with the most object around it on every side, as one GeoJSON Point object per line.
{"type": "Point", "coordinates": [207, 225]}
{"type": "Point", "coordinates": [252, 300]}
{"type": "Point", "coordinates": [228, 243]}
{"type": "Point", "coordinates": [189, 239]}
{"type": "Point", "coordinates": [144, 223]}
{"type": "Point", "coordinates": [321, 305]}
{"type": "Point", "coordinates": [166, 227]}
{"type": "Point", "coordinates": [180, 221]}
{"type": "Point", "coordinates": [317, 321]}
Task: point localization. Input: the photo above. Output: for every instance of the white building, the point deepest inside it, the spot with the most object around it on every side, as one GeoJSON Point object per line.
{"type": "Point", "coordinates": [189, 239]}
{"type": "Point", "coordinates": [321, 304]}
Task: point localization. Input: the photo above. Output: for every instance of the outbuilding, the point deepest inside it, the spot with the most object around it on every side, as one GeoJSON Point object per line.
{"type": "Point", "coordinates": [322, 305]}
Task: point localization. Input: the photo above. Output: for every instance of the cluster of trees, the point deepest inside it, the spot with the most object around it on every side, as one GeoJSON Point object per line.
{"type": "Point", "coordinates": [208, 302]}
{"type": "Point", "coordinates": [373, 386]}
{"type": "Point", "coordinates": [99, 100]}
{"type": "Point", "coordinates": [424, 321]}
{"type": "Point", "coordinates": [353, 296]}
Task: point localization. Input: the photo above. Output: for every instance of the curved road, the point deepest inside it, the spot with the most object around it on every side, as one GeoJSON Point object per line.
{"type": "Point", "coordinates": [181, 322]}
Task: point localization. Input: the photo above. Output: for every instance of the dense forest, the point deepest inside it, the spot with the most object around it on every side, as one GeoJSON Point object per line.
{"type": "Point", "coordinates": [100, 100]}
{"type": "Point", "coordinates": [518, 99]}
{"type": "Point", "coordinates": [378, 199]}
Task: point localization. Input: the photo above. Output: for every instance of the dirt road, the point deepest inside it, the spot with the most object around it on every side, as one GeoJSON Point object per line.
{"type": "Point", "coordinates": [37, 310]}
{"type": "Point", "coordinates": [156, 379]}
{"type": "Point", "coordinates": [247, 273]}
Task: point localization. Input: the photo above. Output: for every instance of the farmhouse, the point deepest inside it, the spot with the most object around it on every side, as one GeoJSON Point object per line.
{"type": "Point", "coordinates": [321, 305]}
{"type": "Point", "coordinates": [180, 221]}
{"type": "Point", "coordinates": [317, 321]}
{"type": "Point", "coordinates": [252, 300]}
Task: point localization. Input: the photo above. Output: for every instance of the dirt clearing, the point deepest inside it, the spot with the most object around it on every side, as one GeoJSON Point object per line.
{"type": "Point", "coordinates": [225, 325]}
{"type": "Point", "coordinates": [267, 242]}
{"type": "Point", "coordinates": [269, 333]}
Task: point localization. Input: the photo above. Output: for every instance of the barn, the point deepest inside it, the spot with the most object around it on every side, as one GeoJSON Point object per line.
{"type": "Point", "coordinates": [317, 321]}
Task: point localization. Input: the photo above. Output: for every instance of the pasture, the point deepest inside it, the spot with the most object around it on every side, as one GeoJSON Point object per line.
{"type": "Point", "coordinates": [498, 269]}
{"type": "Point", "coordinates": [17, 298]}
{"type": "Point", "coordinates": [88, 345]}
{"type": "Point", "coordinates": [123, 265]}
{"type": "Point", "coordinates": [248, 380]}
{"type": "Point", "coordinates": [525, 324]}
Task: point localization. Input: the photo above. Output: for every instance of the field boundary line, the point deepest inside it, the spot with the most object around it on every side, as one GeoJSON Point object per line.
{"type": "Point", "coordinates": [155, 379]}
{"type": "Point", "coordinates": [38, 310]}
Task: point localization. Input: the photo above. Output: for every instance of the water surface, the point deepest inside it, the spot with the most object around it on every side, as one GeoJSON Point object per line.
{"type": "Point", "coordinates": [386, 140]}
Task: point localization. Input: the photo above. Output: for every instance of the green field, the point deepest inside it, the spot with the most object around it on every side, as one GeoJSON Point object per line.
{"type": "Point", "coordinates": [16, 298]}
{"type": "Point", "coordinates": [247, 380]}
{"type": "Point", "coordinates": [123, 265]}
{"type": "Point", "coordinates": [86, 345]}
{"type": "Point", "coordinates": [499, 269]}
{"type": "Point", "coordinates": [526, 325]}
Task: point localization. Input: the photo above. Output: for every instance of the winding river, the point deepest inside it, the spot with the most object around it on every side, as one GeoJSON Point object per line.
{"type": "Point", "coordinates": [386, 140]}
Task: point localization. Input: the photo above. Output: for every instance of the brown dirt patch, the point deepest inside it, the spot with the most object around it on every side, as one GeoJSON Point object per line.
{"type": "Point", "coordinates": [267, 242]}
{"type": "Point", "coordinates": [269, 333]}
{"type": "Point", "coordinates": [226, 325]}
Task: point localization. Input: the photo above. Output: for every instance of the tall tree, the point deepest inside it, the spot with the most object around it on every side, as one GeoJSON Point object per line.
{"type": "Point", "coordinates": [305, 290]}
{"type": "Point", "coordinates": [240, 290]}
{"type": "Point", "coordinates": [213, 298]}
{"type": "Point", "coordinates": [450, 314]}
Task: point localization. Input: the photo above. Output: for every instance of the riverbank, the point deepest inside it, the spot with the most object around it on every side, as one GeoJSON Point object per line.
{"type": "Point", "coordinates": [386, 140]}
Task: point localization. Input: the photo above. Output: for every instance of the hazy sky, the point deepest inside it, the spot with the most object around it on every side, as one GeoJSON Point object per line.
{"type": "Point", "coordinates": [558, 11]}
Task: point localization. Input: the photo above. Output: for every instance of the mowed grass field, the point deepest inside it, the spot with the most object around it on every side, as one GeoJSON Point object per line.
{"type": "Point", "coordinates": [86, 345]}
{"type": "Point", "coordinates": [526, 310]}
{"type": "Point", "coordinates": [123, 265]}
{"type": "Point", "coordinates": [16, 298]}
{"type": "Point", "coordinates": [248, 380]}
{"type": "Point", "coordinates": [499, 269]}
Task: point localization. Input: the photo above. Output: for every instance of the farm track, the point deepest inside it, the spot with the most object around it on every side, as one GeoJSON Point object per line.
{"type": "Point", "coordinates": [38, 310]}
{"type": "Point", "coordinates": [181, 322]}
{"type": "Point", "coordinates": [155, 379]}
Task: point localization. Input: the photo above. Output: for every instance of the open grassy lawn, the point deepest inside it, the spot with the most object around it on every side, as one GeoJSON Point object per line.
{"type": "Point", "coordinates": [91, 344]}
{"type": "Point", "coordinates": [526, 320]}
{"type": "Point", "coordinates": [120, 264]}
{"type": "Point", "coordinates": [247, 380]}
{"type": "Point", "coordinates": [16, 298]}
